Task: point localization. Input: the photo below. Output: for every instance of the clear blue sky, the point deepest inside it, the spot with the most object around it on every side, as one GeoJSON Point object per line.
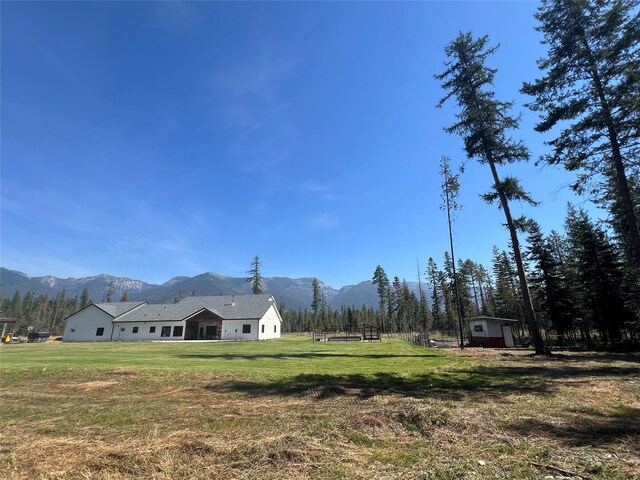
{"type": "Point", "coordinates": [151, 140]}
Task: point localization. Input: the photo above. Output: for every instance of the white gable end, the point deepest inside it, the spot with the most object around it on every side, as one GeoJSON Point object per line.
{"type": "Point", "coordinates": [90, 324]}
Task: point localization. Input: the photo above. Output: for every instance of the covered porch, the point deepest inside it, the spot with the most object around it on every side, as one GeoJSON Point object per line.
{"type": "Point", "coordinates": [203, 325]}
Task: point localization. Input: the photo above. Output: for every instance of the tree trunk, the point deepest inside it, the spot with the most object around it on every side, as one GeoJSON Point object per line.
{"type": "Point", "coordinates": [621, 178]}
{"type": "Point", "coordinates": [453, 267]}
{"type": "Point", "coordinates": [529, 314]}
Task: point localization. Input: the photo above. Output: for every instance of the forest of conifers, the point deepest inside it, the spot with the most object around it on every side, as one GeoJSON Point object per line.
{"type": "Point", "coordinates": [581, 289]}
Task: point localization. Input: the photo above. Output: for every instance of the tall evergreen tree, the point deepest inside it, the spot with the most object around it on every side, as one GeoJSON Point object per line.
{"type": "Point", "coordinates": [316, 302]}
{"type": "Point", "coordinates": [255, 278]}
{"type": "Point", "coordinates": [447, 286]}
{"type": "Point", "coordinates": [548, 283]}
{"type": "Point", "coordinates": [433, 277]}
{"type": "Point", "coordinates": [382, 281]}
{"type": "Point", "coordinates": [469, 299]}
{"type": "Point", "coordinates": [486, 291]}
{"type": "Point", "coordinates": [84, 298]}
{"type": "Point", "coordinates": [599, 275]}
{"type": "Point", "coordinates": [110, 291]}
{"type": "Point", "coordinates": [423, 305]}
{"type": "Point", "coordinates": [397, 305]}
{"type": "Point", "coordinates": [591, 88]}
{"type": "Point", "coordinates": [485, 124]}
{"type": "Point", "coordinates": [59, 309]}
{"type": "Point", "coordinates": [450, 194]}
{"type": "Point", "coordinates": [507, 302]}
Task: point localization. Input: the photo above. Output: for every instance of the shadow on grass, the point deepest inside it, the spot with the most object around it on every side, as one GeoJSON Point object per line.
{"type": "Point", "coordinates": [581, 357]}
{"type": "Point", "coordinates": [494, 382]}
{"type": "Point", "coordinates": [587, 428]}
{"type": "Point", "coordinates": [453, 385]}
{"type": "Point", "coordinates": [573, 371]}
{"type": "Point", "coordinates": [308, 356]}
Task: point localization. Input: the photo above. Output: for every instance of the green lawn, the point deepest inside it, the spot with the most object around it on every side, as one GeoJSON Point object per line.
{"type": "Point", "coordinates": [292, 408]}
{"type": "Point", "coordinates": [275, 359]}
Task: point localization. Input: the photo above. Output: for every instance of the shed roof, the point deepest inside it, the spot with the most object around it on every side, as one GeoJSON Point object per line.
{"type": "Point", "coordinates": [228, 307]}
{"type": "Point", "coordinates": [490, 319]}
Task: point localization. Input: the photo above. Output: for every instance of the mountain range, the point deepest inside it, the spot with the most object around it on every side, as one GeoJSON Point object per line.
{"type": "Point", "coordinates": [293, 293]}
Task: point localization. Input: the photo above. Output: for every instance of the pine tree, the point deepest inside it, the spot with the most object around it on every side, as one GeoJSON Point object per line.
{"type": "Point", "coordinates": [316, 302]}
{"type": "Point", "coordinates": [110, 291]}
{"type": "Point", "coordinates": [423, 306]}
{"type": "Point", "coordinates": [255, 279]}
{"type": "Point", "coordinates": [506, 301]}
{"type": "Point", "coordinates": [125, 296]}
{"type": "Point", "coordinates": [591, 88]}
{"type": "Point", "coordinates": [84, 298]}
{"type": "Point", "coordinates": [599, 275]}
{"type": "Point", "coordinates": [547, 281]}
{"type": "Point", "coordinates": [396, 305]}
{"type": "Point", "coordinates": [179, 297]}
{"type": "Point", "coordinates": [469, 301]}
{"type": "Point", "coordinates": [450, 194]}
{"type": "Point", "coordinates": [59, 307]}
{"type": "Point", "coordinates": [382, 281]}
{"type": "Point", "coordinates": [433, 278]}
{"type": "Point", "coordinates": [15, 305]}
{"type": "Point", "coordinates": [447, 287]}
{"type": "Point", "coordinates": [485, 124]}
{"type": "Point", "coordinates": [486, 291]}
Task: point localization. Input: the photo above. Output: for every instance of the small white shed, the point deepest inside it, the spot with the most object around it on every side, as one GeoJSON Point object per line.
{"type": "Point", "coordinates": [492, 332]}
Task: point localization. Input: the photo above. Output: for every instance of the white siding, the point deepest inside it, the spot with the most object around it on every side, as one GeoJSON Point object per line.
{"type": "Point", "coordinates": [123, 332]}
{"type": "Point", "coordinates": [482, 323]}
{"type": "Point", "coordinates": [83, 326]}
{"type": "Point", "coordinates": [495, 329]}
{"type": "Point", "coordinates": [270, 324]}
{"type": "Point", "coordinates": [232, 329]}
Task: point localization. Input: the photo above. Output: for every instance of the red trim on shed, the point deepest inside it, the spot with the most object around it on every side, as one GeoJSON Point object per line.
{"type": "Point", "coordinates": [489, 342]}
{"type": "Point", "coordinates": [497, 342]}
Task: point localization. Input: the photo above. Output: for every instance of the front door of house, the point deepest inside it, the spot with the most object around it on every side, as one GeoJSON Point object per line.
{"type": "Point", "coordinates": [191, 332]}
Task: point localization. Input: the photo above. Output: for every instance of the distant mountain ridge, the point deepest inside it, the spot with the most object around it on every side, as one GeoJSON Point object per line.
{"type": "Point", "coordinates": [294, 293]}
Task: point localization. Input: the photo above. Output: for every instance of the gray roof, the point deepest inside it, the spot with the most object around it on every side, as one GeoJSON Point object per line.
{"type": "Point", "coordinates": [115, 309]}
{"type": "Point", "coordinates": [228, 307]}
{"type": "Point", "coordinates": [491, 319]}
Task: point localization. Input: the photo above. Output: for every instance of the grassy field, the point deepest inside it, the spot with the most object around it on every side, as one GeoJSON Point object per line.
{"type": "Point", "coordinates": [295, 409]}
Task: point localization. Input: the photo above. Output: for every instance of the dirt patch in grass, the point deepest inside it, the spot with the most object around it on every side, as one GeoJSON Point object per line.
{"type": "Point", "coordinates": [97, 385]}
{"type": "Point", "coordinates": [483, 414]}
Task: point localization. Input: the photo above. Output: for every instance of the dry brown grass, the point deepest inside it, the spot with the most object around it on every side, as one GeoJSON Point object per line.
{"type": "Point", "coordinates": [573, 413]}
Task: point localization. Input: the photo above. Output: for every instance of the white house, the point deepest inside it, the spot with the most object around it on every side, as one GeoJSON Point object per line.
{"type": "Point", "coordinates": [230, 317]}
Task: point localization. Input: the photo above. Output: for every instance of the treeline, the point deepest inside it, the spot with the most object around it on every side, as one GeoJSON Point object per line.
{"type": "Point", "coordinates": [43, 313]}
{"type": "Point", "coordinates": [587, 96]}
{"type": "Point", "coordinates": [583, 291]}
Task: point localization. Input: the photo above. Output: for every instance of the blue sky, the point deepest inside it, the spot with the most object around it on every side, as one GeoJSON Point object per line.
{"type": "Point", "coordinates": [151, 140]}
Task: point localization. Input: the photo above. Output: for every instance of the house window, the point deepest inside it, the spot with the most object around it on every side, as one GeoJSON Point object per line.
{"type": "Point", "coordinates": [73, 330]}
{"type": "Point", "coordinates": [165, 332]}
{"type": "Point", "coordinates": [177, 331]}
{"type": "Point", "coordinates": [246, 328]}
{"type": "Point", "coordinates": [152, 329]}
{"type": "Point", "coordinates": [275, 328]}
{"type": "Point", "coordinates": [262, 328]}
{"type": "Point", "coordinates": [100, 331]}
{"type": "Point", "coordinates": [135, 330]}
{"type": "Point", "coordinates": [122, 329]}
{"type": "Point", "coordinates": [477, 328]}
